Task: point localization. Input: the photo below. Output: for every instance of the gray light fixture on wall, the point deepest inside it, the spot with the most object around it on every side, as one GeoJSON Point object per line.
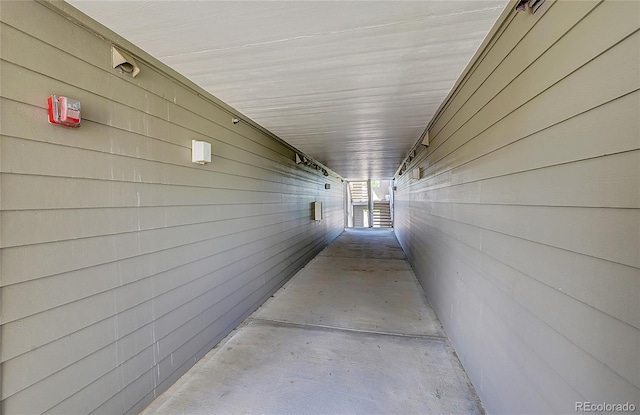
{"type": "Point", "coordinates": [317, 210]}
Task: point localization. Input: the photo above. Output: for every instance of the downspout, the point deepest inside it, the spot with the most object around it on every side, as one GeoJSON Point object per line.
{"type": "Point", "coordinates": [370, 198]}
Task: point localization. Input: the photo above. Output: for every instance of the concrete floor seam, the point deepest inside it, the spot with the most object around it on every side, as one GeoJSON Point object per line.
{"type": "Point", "coordinates": [359, 257]}
{"type": "Point", "coordinates": [431, 337]}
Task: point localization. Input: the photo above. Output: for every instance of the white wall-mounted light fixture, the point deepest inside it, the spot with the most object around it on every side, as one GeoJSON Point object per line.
{"type": "Point", "coordinates": [124, 62]}
{"type": "Point", "coordinates": [416, 173]}
{"type": "Point", "coordinates": [200, 152]}
{"type": "Point", "coordinates": [235, 120]}
{"type": "Point", "coordinates": [317, 210]}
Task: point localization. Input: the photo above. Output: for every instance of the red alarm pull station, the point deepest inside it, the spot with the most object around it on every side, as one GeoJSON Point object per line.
{"type": "Point", "coordinates": [64, 111]}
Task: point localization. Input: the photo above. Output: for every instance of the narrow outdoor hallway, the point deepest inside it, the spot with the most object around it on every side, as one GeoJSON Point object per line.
{"type": "Point", "coordinates": [350, 333]}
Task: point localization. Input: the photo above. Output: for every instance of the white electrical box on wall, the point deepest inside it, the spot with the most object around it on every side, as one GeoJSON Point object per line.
{"type": "Point", "coordinates": [200, 152]}
{"type": "Point", "coordinates": [317, 210]}
{"type": "Point", "coordinates": [416, 173]}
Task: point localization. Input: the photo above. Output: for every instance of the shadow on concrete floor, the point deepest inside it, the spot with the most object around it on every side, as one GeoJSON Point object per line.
{"type": "Point", "coordinates": [350, 333]}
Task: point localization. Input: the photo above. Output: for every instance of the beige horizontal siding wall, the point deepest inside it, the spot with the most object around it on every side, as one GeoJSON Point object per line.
{"type": "Point", "coordinates": [122, 263]}
{"type": "Point", "coordinates": [524, 227]}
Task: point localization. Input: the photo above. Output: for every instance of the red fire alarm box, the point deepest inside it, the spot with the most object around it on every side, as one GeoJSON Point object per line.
{"type": "Point", "coordinates": [64, 111]}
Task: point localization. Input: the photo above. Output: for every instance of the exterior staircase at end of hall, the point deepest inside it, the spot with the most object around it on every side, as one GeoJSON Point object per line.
{"type": "Point", "coordinates": [381, 215]}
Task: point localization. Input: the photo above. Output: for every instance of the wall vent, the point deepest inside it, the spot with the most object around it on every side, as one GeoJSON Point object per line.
{"type": "Point", "coordinates": [531, 5]}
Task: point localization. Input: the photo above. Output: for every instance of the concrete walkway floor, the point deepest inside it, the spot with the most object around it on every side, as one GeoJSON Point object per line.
{"type": "Point", "coordinates": [351, 333]}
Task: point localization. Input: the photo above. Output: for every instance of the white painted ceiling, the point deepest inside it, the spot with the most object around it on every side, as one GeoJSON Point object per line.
{"type": "Point", "coordinates": [351, 83]}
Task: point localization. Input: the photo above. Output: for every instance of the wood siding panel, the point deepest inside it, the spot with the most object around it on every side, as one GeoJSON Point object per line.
{"type": "Point", "coordinates": [121, 262]}
{"type": "Point", "coordinates": [525, 228]}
